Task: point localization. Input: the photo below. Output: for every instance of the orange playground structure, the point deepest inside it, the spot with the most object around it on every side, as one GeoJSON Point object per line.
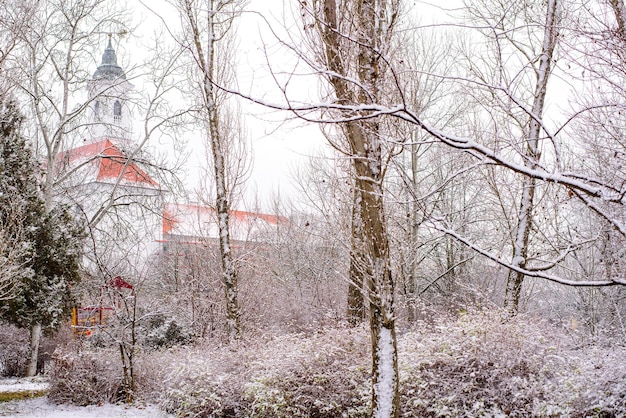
{"type": "Point", "coordinates": [89, 320]}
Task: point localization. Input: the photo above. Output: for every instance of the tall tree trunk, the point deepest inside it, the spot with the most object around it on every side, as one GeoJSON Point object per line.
{"type": "Point", "coordinates": [414, 223]}
{"type": "Point", "coordinates": [229, 272]}
{"type": "Point", "coordinates": [365, 149]}
{"type": "Point", "coordinates": [356, 300]}
{"type": "Point", "coordinates": [207, 61]}
{"type": "Point", "coordinates": [520, 247]}
{"type": "Point", "coordinates": [385, 398]}
{"type": "Point", "coordinates": [33, 353]}
{"type": "Point", "coordinates": [532, 157]}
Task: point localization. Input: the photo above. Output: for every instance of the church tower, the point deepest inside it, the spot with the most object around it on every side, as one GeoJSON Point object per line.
{"type": "Point", "coordinates": [109, 91]}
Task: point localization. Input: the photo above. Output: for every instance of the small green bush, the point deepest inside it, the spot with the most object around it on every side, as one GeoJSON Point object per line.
{"type": "Point", "coordinates": [162, 332]}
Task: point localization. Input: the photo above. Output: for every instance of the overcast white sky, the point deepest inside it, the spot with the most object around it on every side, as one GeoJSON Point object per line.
{"type": "Point", "coordinates": [279, 146]}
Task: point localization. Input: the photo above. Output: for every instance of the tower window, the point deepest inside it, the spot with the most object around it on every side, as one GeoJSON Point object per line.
{"type": "Point", "coordinates": [97, 110]}
{"type": "Point", "coordinates": [117, 111]}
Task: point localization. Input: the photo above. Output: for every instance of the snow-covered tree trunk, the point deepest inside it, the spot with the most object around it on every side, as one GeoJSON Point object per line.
{"type": "Point", "coordinates": [229, 273]}
{"type": "Point", "coordinates": [356, 300]}
{"type": "Point", "coordinates": [218, 17]}
{"type": "Point", "coordinates": [366, 152]}
{"type": "Point", "coordinates": [33, 349]}
{"type": "Point", "coordinates": [385, 398]}
{"type": "Point", "coordinates": [532, 157]}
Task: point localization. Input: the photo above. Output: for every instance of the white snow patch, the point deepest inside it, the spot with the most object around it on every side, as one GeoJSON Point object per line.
{"type": "Point", "coordinates": [385, 387]}
{"type": "Point", "coordinates": [12, 385]}
{"type": "Point", "coordinates": [39, 407]}
{"type": "Point", "coordinates": [517, 260]}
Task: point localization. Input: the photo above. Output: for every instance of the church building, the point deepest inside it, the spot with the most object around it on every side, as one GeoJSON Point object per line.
{"type": "Point", "coordinates": [130, 215]}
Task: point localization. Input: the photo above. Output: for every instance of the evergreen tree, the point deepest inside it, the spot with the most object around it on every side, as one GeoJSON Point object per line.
{"type": "Point", "coordinates": [50, 237]}
{"type": "Point", "coordinates": [20, 200]}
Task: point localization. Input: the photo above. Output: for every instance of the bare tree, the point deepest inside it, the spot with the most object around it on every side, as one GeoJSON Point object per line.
{"type": "Point", "coordinates": [206, 30]}
{"type": "Point", "coordinates": [426, 179]}
{"type": "Point", "coordinates": [508, 157]}
{"type": "Point", "coordinates": [354, 35]}
{"type": "Point", "coordinates": [523, 124]}
{"type": "Point", "coordinates": [532, 159]}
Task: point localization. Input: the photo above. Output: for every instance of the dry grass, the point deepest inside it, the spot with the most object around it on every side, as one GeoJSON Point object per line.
{"type": "Point", "coordinates": [21, 395]}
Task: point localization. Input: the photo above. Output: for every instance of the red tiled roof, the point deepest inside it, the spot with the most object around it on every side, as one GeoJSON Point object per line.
{"type": "Point", "coordinates": [168, 222]}
{"type": "Point", "coordinates": [112, 163]}
{"type": "Point", "coordinates": [185, 216]}
{"type": "Point", "coordinates": [270, 219]}
{"type": "Point", "coordinates": [168, 214]}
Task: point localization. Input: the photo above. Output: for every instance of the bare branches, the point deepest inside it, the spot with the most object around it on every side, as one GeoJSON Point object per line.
{"type": "Point", "coordinates": [537, 273]}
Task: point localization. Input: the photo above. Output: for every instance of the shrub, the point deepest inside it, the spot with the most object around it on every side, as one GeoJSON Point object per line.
{"type": "Point", "coordinates": [15, 345]}
{"type": "Point", "coordinates": [596, 385]}
{"type": "Point", "coordinates": [84, 378]}
{"type": "Point", "coordinates": [13, 350]}
{"type": "Point", "coordinates": [289, 376]}
{"type": "Point", "coordinates": [482, 365]}
{"type": "Point", "coordinates": [166, 332]}
{"type": "Point", "coordinates": [474, 364]}
{"type": "Point", "coordinates": [325, 375]}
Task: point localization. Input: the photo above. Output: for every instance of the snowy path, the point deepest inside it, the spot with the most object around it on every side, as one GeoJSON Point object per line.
{"type": "Point", "coordinates": [40, 408]}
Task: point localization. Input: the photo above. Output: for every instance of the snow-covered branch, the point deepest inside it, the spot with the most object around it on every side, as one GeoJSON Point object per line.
{"type": "Point", "coordinates": [440, 226]}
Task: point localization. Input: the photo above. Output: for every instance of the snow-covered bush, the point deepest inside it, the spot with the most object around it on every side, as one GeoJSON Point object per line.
{"type": "Point", "coordinates": [321, 375]}
{"type": "Point", "coordinates": [13, 350]}
{"type": "Point", "coordinates": [85, 378]}
{"type": "Point", "coordinates": [596, 383]}
{"type": "Point", "coordinates": [14, 345]}
{"type": "Point", "coordinates": [474, 364]}
{"type": "Point", "coordinates": [481, 364]}
{"type": "Point", "coordinates": [166, 332]}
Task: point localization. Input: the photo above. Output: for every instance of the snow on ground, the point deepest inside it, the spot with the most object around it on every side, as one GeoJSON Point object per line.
{"type": "Point", "coordinates": [40, 408]}
{"type": "Point", "coordinates": [22, 384]}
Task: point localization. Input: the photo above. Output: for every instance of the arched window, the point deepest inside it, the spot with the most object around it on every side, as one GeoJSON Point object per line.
{"type": "Point", "coordinates": [97, 110]}
{"type": "Point", "coordinates": [117, 111]}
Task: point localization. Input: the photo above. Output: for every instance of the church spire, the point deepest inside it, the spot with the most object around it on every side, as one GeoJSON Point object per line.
{"type": "Point", "coordinates": [109, 96]}
{"type": "Point", "coordinates": [108, 69]}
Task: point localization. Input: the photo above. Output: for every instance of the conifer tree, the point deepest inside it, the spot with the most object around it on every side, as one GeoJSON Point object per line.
{"type": "Point", "coordinates": [20, 202]}
{"type": "Point", "coordinates": [50, 238]}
